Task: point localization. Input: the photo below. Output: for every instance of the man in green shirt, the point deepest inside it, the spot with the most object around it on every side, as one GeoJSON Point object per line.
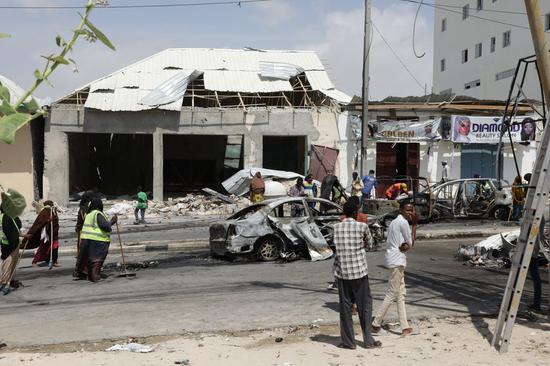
{"type": "Point", "coordinates": [140, 206]}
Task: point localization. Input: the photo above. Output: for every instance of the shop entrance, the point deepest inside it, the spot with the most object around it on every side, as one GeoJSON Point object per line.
{"type": "Point", "coordinates": [394, 160]}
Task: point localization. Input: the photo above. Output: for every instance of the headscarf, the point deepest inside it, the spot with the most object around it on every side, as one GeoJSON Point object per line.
{"type": "Point", "coordinates": [257, 183]}
{"type": "Point", "coordinates": [95, 204]}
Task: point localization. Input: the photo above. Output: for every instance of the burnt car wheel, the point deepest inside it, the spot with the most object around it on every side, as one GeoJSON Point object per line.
{"type": "Point", "coordinates": [499, 213]}
{"type": "Point", "coordinates": [268, 249]}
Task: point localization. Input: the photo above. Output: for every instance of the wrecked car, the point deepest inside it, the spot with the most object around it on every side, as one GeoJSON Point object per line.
{"type": "Point", "coordinates": [459, 198]}
{"type": "Point", "coordinates": [278, 227]}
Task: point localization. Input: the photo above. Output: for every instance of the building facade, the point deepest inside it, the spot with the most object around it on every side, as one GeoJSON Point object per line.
{"type": "Point", "coordinates": [477, 45]}
{"type": "Point", "coordinates": [185, 119]}
{"type": "Point", "coordinates": [409, 157]}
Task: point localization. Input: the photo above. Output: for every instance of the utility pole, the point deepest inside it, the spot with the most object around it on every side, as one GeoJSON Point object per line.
{"type": "Point", "coordinates": [365, 90]}
{"type": "Point", "coordinates": [541, 47]}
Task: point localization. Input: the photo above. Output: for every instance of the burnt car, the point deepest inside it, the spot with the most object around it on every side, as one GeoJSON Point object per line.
{"type": "Point", "coordinates": [466, 198]}
{"type": "Point", "coordinates": [459, 198]}
{"type": "Point", "coordinates": [275, 228]}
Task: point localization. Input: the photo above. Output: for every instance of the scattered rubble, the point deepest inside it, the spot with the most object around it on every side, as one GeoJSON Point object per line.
{"type": "Point", "coordinates": [189, 205]}
{"type": "Point", "coordinates": [136, 266]}
{"type": "Point", "coordinates": [132, 347]}
{"type": "Point", "coordinates": [495, 251]}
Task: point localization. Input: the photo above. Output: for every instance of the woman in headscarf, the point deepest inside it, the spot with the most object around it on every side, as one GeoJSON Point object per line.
{"type": "Point", "coordinates": [82, 209]}
{"type": "Point", "coordinates": [257, 188]}
{"type": "Point", "coordinates": [41, 237]}
{"type": "Point", "coordinates": [95, 238]}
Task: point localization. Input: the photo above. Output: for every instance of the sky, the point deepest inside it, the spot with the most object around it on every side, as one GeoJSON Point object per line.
{"type": "Point", "coordinates": [332, 28]}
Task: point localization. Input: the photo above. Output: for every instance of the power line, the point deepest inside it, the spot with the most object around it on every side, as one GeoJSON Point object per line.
{"type": "Point", "coordinates": [397, 56]}
{"type": "Point", "coordinates": [61, 7]}
{"type": "Point", "coordinates": [460, 7]}
{"type": "Point", "coordinates": [445, 8]}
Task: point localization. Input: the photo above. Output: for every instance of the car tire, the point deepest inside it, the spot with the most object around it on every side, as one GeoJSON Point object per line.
{"type": "Point", "coordinates": [269, 248]}
{"type": "Point", "coordinates": [499, 213]}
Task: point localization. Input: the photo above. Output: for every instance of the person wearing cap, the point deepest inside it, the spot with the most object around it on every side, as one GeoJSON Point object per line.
{"type": "Point", "coordinates": [395, 190]}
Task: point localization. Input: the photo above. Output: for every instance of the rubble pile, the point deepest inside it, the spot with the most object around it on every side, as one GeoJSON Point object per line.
{"type": "Point", "coordinates": [495, 251]}
{"type": "Point", "coordinates": [189, 205]}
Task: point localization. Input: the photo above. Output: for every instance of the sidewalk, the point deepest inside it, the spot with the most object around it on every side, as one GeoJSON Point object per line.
{"type": "Point", "coordinates": [431, 231]}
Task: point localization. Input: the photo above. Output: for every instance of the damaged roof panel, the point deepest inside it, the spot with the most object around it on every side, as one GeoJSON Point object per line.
{"type": "Point", "coordinates": [125, 100]}
{"type": "Point", "coordinates": [242, 81]}
{"type": "Point", "coordinates": [224, 70]}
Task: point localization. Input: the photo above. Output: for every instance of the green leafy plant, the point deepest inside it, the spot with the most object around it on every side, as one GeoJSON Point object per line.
{"type": "Point", "coordinates": [16, 115]}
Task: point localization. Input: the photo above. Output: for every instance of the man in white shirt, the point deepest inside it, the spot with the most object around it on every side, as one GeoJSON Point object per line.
{"type": "Point", "coordinates": [399, 241]}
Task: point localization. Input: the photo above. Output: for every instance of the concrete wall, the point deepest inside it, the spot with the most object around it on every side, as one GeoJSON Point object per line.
{"type": "Point", "coordinates": [465, 34]}
{"type": "Point", "coordinates": [319, 126]}
{"type": "Point", "coordinates": [16, 165]}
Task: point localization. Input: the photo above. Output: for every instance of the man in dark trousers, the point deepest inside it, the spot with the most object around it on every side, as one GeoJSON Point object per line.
{"type": "Point", "coordinates": [350, 269]}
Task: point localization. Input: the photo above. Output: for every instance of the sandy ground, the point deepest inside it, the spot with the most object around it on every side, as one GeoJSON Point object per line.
{"type": "Point", "coordinates": [448, 341]}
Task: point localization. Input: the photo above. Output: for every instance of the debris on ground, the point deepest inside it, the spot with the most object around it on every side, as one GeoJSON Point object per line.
{"type": "Point", "coordinates": [132, 347]}
{"type": "Point", "coordinates": [495, 251]}
{"type": "Point", "coordinates": [136, 266]}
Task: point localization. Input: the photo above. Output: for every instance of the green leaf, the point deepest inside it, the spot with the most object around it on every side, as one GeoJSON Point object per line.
{"type": "Point", "coordinates": [30, 107]}
{"type": "Point", "coordinates": [99, 34]}
{"type": "Point", "coordinates": [4, 93]}
{"type": "Point", "coordinates": [10, 124]}
{"type": "Point", "coordinates": [6, 109]}
{"type": "Point", "coordinates": [60, 60]}
{"type": "Point", "coordinates": [4, 35]}
{"type": "Point", "coordinates": [38, 75]}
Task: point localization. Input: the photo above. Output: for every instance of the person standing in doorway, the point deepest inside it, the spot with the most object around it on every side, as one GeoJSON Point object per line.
{"type": "Point", "coordinates": [257, 188]}
{"type": "Point", "coordinates": [141, 206]}
{"type": "Point", "coordinates": [400, 240]}
{"type": "Point", "coordinates": [444, 172]}
{"type": "Point", "coordinates": [351, 271]}
{"type": "Point", "coordinates": [369, 182]}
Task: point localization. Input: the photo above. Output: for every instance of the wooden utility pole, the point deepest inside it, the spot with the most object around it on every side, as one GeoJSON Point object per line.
{"type": "Point", "coordinates": [365, 90]}
{"type": "Point", "coordinates": [540, 44]}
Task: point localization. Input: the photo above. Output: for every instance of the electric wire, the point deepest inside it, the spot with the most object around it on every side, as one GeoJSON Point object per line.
{"type": "Point", "coordinates": [63, 7]}
{"type": "Point", "coordinates": [440, 7]}
{"type": "Point", "coordinates": [397, 56]}
{"type": "Point", "coordinates": [414, 31]}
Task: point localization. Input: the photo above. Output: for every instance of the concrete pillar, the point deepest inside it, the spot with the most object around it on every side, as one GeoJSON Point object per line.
{"type": "Point", "coordinates": [158, 165]}
{"type": "Point", "coordinates": [56, 167]}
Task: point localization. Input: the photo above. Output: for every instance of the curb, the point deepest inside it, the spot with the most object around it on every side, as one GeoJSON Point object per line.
{"type": "Point", "coordinates": [203, 244]}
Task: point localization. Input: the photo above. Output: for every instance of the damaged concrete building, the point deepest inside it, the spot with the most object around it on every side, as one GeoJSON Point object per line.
{"type": "Point", "coordinates": [184, 119]}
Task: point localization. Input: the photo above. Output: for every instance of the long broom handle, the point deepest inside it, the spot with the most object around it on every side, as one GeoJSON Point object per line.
{"type": "Point", "coordinates": [121, 248]}
{"type": "Point", "coordinates": [51, 237]}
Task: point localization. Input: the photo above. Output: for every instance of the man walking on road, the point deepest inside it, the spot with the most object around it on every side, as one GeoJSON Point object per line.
{"type": "Point", "coordinates": [399, 241]}
{"type": "Point", "coordinates": [350, 268]}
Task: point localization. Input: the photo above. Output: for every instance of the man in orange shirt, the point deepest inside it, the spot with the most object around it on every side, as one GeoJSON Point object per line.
{"type": "Point", "coordinates": [396, 190]}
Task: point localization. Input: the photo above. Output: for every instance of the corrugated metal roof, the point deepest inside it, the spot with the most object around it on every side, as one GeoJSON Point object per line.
{"type": "Point", "coordinates": [224, 70]}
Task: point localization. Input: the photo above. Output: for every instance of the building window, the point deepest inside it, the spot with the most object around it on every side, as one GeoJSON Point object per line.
{"type": "Point", "coordinates": [472, 84]}
{"type": "Point", "coordinates": [479, 5]}
{"type": "Point", "coordinates": [465, 11]}
{"type": "Point", "coordinates": [506, 38]}
{"type": "Point", "coordinates": [444, 24]}
{"type": "Point", "coordinates": [505, 74]}
{"type": "Point", "coordinates": [464, 56]}
{"type": "Point", "coordinates": [493, 44]}
{"type": "Point", "coordinates": [547, 22]}
{"type": "Point", "coordinates": [479, 50]}
{"type": "Point", "coordinates": [442, 65]}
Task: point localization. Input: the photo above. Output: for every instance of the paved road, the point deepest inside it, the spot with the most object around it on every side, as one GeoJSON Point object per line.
{"type": "Point", "coordinates": [190, 291]}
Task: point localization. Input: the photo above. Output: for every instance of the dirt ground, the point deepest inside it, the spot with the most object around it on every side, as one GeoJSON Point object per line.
{"type": "Point", "coordinates": [448, 341]}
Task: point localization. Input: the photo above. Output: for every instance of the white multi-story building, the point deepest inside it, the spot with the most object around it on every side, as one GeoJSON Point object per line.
{"type": "Point", "coordinates": [477, 45]}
